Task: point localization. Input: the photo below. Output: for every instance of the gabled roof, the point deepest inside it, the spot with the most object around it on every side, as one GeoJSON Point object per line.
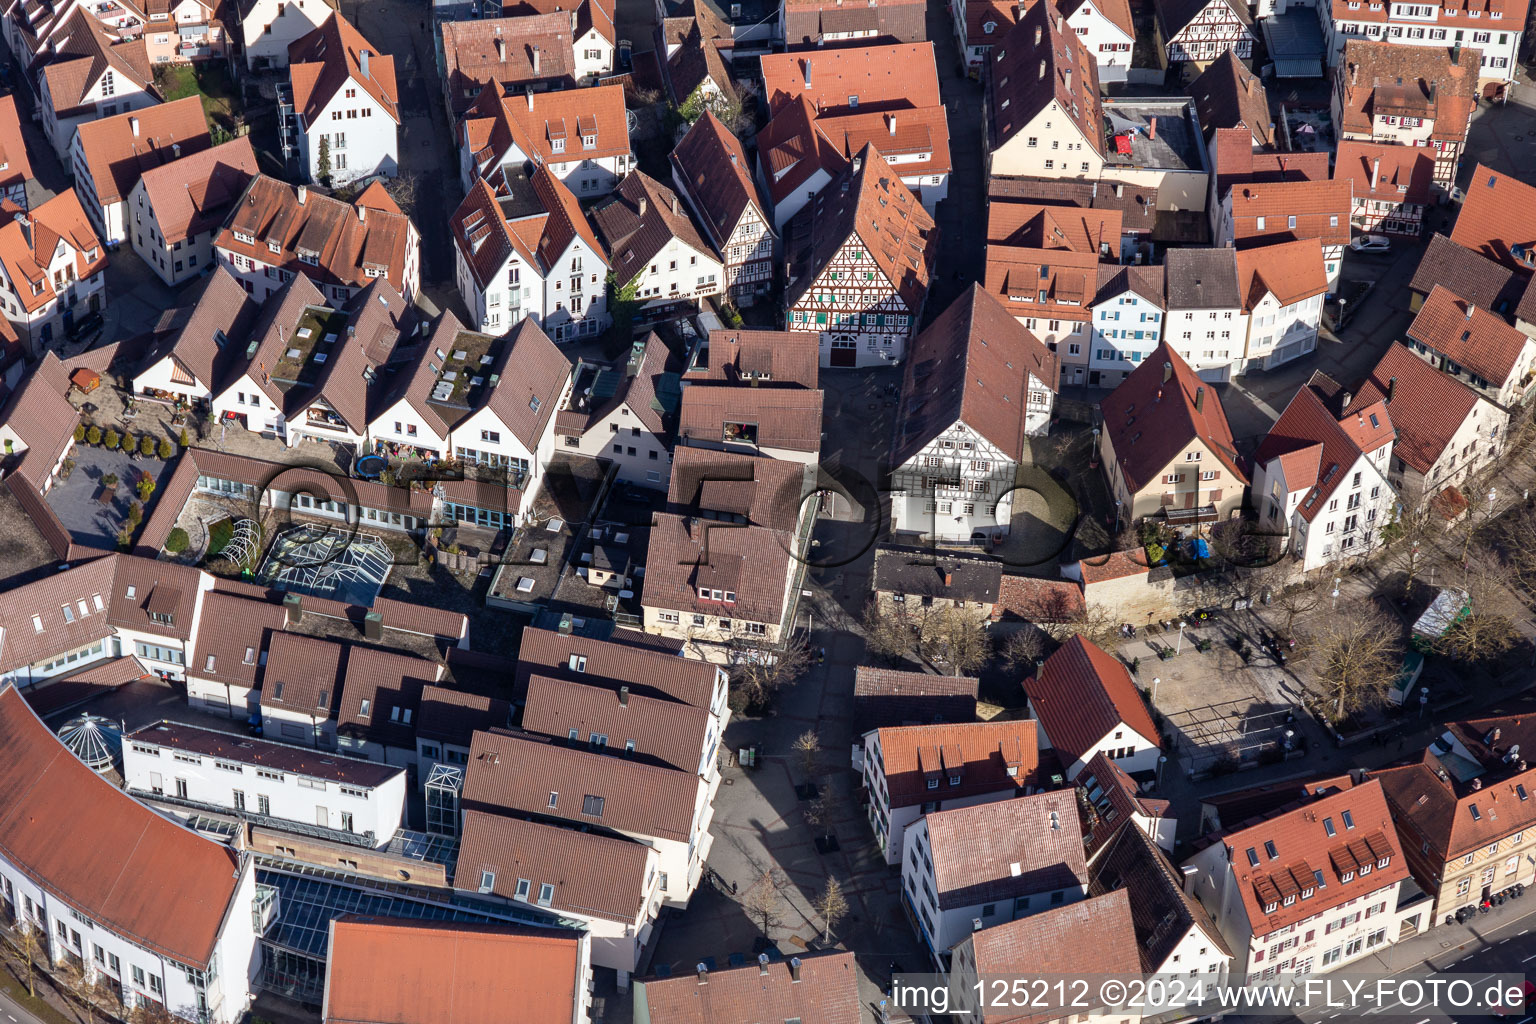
{"type": "Point", "coordinates": [1314, 845]}
{"type": "Point", "coordinates": [764, 492]}
{"type": "Point", "coordinates": [1290, 271]}
{"type": "Point", "coordinates": [1035, 226]}
{"type": "Point", "coordinates": [1055, 283]}
{"type": "Point", "coordinates": [303, 674]}
{"type": "Point", "coordinates": [1468, 335]}
{"type": "Point", "coordinates": [83, 49]}
{"type": "Point", "coordinates": [1150, 420]}
{"type": "Point", "coordinates": [1173, 16]}
{"type": "Point", "coordinates": [899, 76]}
{"type": "Point", "coordinates": [1386, 173]}
{"type": "Point", "coordinates": [1203, 279]}
{"type": "Point", "coordinates": [452, 716]}
{"type": "Point", "coordinates": [15, 166]}
{"type": "Point", "coordinates": [534, 374]}
{"type": "Point", "coordinates": [1236, 163]}
{"type": "Point", "coordinates": [1228, 95]}
{"type": "Point", "coordinates": [28, 242]}
{"type": "Point", "coordinates": [1262, 214]}
{"type": "Point", "coordinates": [981, 753]}
{"type": "Point", "coordinates": [509, 51]}
{"type": "Point", "coordinates": [826, 991]}
{"type": "Point", "coordinates": [118, 150]}
{"type": "Point", "coordinates": [389, 683]}
{"type": "Point", "coordinates": [194, 194]}
{"type": "Point", "coordinates": [790, 150]}
{"type": "Point", "coordinates": [40, 414]}
{"type": "Point", "coordinates": [484, 238]}
{"type": "Point", "coordinates": [1036, 63]}
{"type": "Point", "coordinates": [218, 308]}
{"type": "Point", "coordinates": [1314, 446]}
{"type": "Point", "coordinates": [321, 63]}
{"type": "Point", "coordinates": [664, 732]}
{"type": "Point", "coordinates": [1148, 283]}
{"type": "Point", "coordinates": [914, 572]}
{"type": "Point", "coordinates": [646, 671]}
{"type": "Point", "coordinates": [759, 359]}
{"type": "Point", "coordinates": [565, 221]}
{"type": "Point", "coordinates": [884, 697]}
{"type": "Point", "coordinates": [589, 15]}
{"type": "Point", "coordinates": [533, 121]}
{"type": "Point", "coordinates": [715, 174]}
{"type": "Point", "coordinates": [974, 364]}
{"type": "Point", "coordinates": [1498, 219]}
{"type": "Point", "coordinates": [1474, 277]}
{"type": "Point", "coordinates": [394, 970]}
{"type": "Point", "coordinates": [686, 555]}
{"type": "Point", "coordinates": [788, 418]}
{"type": "Point", "coordinates": [1081, 694]}
{"type": "Point", "coordinates": [1161, 911]}
{"type": "Point", "coordinates": [121, 864]}
{"type": "Point", "coordinates": [636, 380]}
{"type": "Point", "coordinates": [1428, 407]}
{"type": "Point", "coordinates": [690, 48]}
{"type": "Point", "coordinates": [997, 851]}
{"type": "Point", "coordinates": [1380, 78]}
{"type": "Point", "coordinates": [867, 202]}
{"type": "Point", "coordinates": [1110, 799]}
{"type": "Point", "coordinates": [639, 219]}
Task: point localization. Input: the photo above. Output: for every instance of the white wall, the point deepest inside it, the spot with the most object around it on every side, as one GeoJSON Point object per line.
{"type": "Point", "coordinates": [175, 263]}
{"type": "Point", "coordinates": [613, 437]}
{"type": "Point", "coordinates": [1018, 157]}
{"type": "Point", "coordinates": [268, 33]}
{"type": "Point", "coordinates": [1211, 341]}
{"type": "Point", "coordinates": [364, 140]}
{"type": "Point", "coordinates": [1279, 333]}
{"type": "Point", "coordinates": [1125, 330]}
{"type": "Point", "coordinates": [942, 512]}
{"type": "Point", "coordinates": [402, 424]}
{"type": "Point", "coordinates": [98, 103]}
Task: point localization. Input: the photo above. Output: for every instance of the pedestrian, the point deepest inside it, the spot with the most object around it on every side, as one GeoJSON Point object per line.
{"type": "Point", "coordinates": [733, 887]}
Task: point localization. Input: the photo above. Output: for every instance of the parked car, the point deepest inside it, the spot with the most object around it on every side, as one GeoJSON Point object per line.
{"type": "Point", "coordinates": [1371, 243]}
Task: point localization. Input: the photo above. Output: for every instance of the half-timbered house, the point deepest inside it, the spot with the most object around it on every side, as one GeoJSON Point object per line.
{"type": "Point", "coordinates": [710, 171]}
{"type": "Point", "coordinates": [859, 259]}
{"type": "Point", "coordinates": [1197, 32]}
{"type": "Point", "coordinates": [1390, 186]}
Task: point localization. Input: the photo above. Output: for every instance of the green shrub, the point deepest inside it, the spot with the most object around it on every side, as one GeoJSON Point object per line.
{"type": "Point", "coordinates": [219, 536]}
{"type": "Point", "coordinates": [93, 436]}
{"type": "Point", "coordinates": [147, 446]}
{"type": "Point", "coordinates": [166, 451]}
{"type": "Point", "coordinates": [110, 439]}
{"type": "Point", "coordinates": [129, 441]}
{"type": "Point", "coordinates": [1155, 553]}
{"type": "Point", "coordinates": [176, 542]}
{"type": "Point", "coordinates": [109, 481]}
{"type": "Point", "coordinates": [184, 440]}
{"type": "Point", "coordinates": [79, 432]}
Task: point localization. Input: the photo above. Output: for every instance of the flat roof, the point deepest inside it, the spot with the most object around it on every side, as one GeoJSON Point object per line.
{"type": "Point", "coordinates": [314, 342]}
{"type": "Point", "coordinates": [1178, 145]}
{"type": "Point", "coordinates": [316, 764]}
{"type": "Point", "coordinates": [463, 371]}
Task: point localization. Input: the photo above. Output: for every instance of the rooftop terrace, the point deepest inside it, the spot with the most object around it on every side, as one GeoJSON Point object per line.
{"type": "Point", "coordinates": [313, 344]}
{"type": "Point", "coordinates": [1154, 134]}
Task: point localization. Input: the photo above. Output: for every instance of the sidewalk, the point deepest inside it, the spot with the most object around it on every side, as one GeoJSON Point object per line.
{"type": "Point", "coordinates": [1444, 944]}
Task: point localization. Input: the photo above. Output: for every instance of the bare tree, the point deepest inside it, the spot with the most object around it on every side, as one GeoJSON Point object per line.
{"type": "Point", "coordinates": [403, 189]}
{"type": "Point", "coordinates": [1487, 629]}
{"type": "Point", "coordinates": [1022, 648]}
{"type": "Point", "coordinates": [763, 902]}
{"type": "Point", "coordinates": [818, 812]}
{"type": "Point", "coordinates": [80, 979]}
{"type": "Point", "coordinates": [1091, 622]}
{"type": "Point", "coordinates": [29, 942]}
{"type": "Point", "coordinates": [958, 638]}
{"type": "Point", "coordinates": [760, 673]}
{"type": "Point", "coordinates": [152, 1012]}
{"type": "Point", "coordinates": [1355, 654]}
{"type": "Point", "coordinates": [1410, 538]}
{"type": "Point", "coordinates": [831, 906]}
{"type": "Point", "coordinates": [1295, 601]}
{"type": "Point", "coordinates": [889, 634]}
{"type": "Point", "coordinates": [807, 748]}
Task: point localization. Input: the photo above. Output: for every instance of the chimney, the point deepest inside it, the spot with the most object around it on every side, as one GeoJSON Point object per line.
{"type": "Point", "coordinates": [1152, 129]}
{"type": "Point", "coordinates": [373, 626]}
{"type": "Point", "coordinates": [1455, 55]}
{"type": "Point", "coordinates": [303, 194]}
{"type": "Point", "coordinates": [674, 204]}
{"type": "Point", "coordinates": [891, 122]}
{"type": "Point", "coordinates": [623, 696]}
{"type": "Point", "coordinates": [1042, 67]}
{"type": "Point", "coordinates": [362, 62]}
{"type": "Point", "coordinates": [501, 50]}
{"type": "Point", "coordinates": [1344, 397]}
{"type": "Point", "coordinates": [1199, 399]}
{"type": "Point", "coordinates": [949, 578]}
{"type": "Point", "coordinates": [1354, 73]}
{"type": "Point", "coordinates": [529, 93]}
{"type": "Point", "coordinates": [1167, 372]}
{"type": "Point", "coordinates": [1375, 172]}
{"type": "Point", "coordinates": [175, 151]}
{"type": "Point", "coordinates": [762, 964]}
{"type": "Point", "coordinates": [1037, 35]}
{"type": "Point", "coordinates": [1391, 389]}
{"type": "Point", "coordinates": [1470, 310]}
{"type": "Point", "coordinates": [293, 605]}
{"type": "Point", "coordinates": [703, 972]}
{"type": "Point", "coordinates": [794, 969]}
{"type": "Point", "coordinates": [1119, 190]}
{"type": "Point", "coordinates": [362, 214]}
{"type": "Point", "coordinates": [644, 204]}
{"type": "Point", "coordinates": [133, 123]}
{"type": "Point", "coordinates": [733, 159]}
{"type": "Point", "coordinates": [807, 72]}
{"type": "Point", "coordinates": [535, 61]}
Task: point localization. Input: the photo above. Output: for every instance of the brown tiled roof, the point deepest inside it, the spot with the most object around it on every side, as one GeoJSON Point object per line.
{"type": "Point", "coordinates": [594, 875]}
{"type": "Point", "coordinates": [1308, 425]}
{"type": "Point", "coordinates": [1474, 277]}
{"type": "Point", "coordinates": [827, 992]}
{"type": "Point", "coordinates": [499, 120]}
{"type": "Point", "coordinates": [1094, 936]}
{"type": "Point", "coordinates": [484, 237]}
{"type": "Point", "coordinates": [997, 851]}
{"type": "Point", "coordinates": [982, 752]}
{"type": "Point", "coordinates": [317, 764]}
{"type": "Point", "coordinates": [1017, 276]}
{"type": "Point", "coordinates": [345, 240]}
{"type": "Point", "coordinates": [899, 76]}
{"type": "Point", "coordinates": [1173, 16]}
{"type": "Point", "coordinates": [766, 492]}
{"type": "Point", "coordinates": [790, 150]}
{"type": "Point", "coordinates": [1039, 62]}
{"type": "Point", "coordinates": [1036, 226]}
{"type": "Point", "coordinates": [1161, 911]}
{"type": "Point", "coordinates": [40, 413]}
{"type": "Point", "coordinates": [508, 772]}
{"type": "Point", "coordinates": [884, 697]}
{"type": "Point", "coordinates": [231, 638]}
{"type": "Point", "coordinates": [60, 693]}
{"type": "Point", "coordinates": [1117, 565]}
{"type": "Point", "coordinates": [664, 732]}
{"type": "Point", "coordinates": [15, 166]}
{"type": "Point", "coordinates": [526, 400]}
{"type": "Point", "coordinates": [430, 972]}
{"type": "Point", "coordinates": [916, 141]}
{"type": "Point", "coordinates": [688, 50]}
{"type": "Point", "coordinates": [1498, 217]}
{"type": "Point", "coordinates": [1149, 283]}
{"type": "Point", "coordinates": [1511, 10]}
{"type": "Point", "coordinates": [1384, 78]}
{"type": "Point", "coordinates": [639, 220]}
{"type": "Point", "coordinates": [1468, 335]}
{"type": "Point", "coordinates": [391, 683]}
{"type": "Point", "coordinates": [915, 571]}
{"type": "Point", "coordinates": [1149, 422]}
{"type": "Point", "coordinates": [119, 150]}
{"type": "Point", "coordinates": [867, 202]}
{"type": "Point", "coordinates": [636, 390]}
{"type": "Point", "coordinates": [1081, 694]}
{"type": "Point", "coordinates": [716, 177]}
{"type": "Point", "coordinates": [1402, 173]}
{"type": "Point", "coordinates": [1304, 849]}
{"type": "Point", "coordinates": [480, 51]}
{"type": "Point", "coordinates": [687, 554]}
{"type": "Point", "coordinates": [80, 52]}
{"type": "Point", "coordinates": [1228, 95]}
{"type": "Point", "coordinates": [1236, 163]}
{"type": "Point", "coordinates": [303, 674]}
{"type": "Point", "coordinates": [1427, 406]}
{"type": "Point", "coordinates": [565, 222]}
{"type": "Point", "coordinates": [1109, 799]}
{"type": "Point", "coordinates": [195, 193]}
{"type": "Point", "coordinates": [789, 358]}
{"type": "Point", "coordinates": [330, 57]}
{"type": "Point", "coordinates": [591, 15]}
{"type": "Point", "coordinates": [973, 364]}
{"type": "Point", "coordinates": [452, 716]}
{"type": "Point", "coordinates": [1290, 271]}
{"type": "Point", "coordinates": [70, 831]}
{"type": "Point", "coordinates": [648, 672]}
{"type": "Point", "coordinates": [988, 14]}
{"type": "Point", "coordinates": [1137, 203]}
{"type": "Point", "coordinates": [27, 246]}
{"type": "Point", "coordinates": [1038, 600]}
{"type": "Point", "coordinates": [785, 417]}
{"type": "Point", "coordinates": [1321, 208]}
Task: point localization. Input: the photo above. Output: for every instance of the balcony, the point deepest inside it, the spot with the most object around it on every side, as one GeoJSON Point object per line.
{"type": "Point", "coordinates": [264, 908]}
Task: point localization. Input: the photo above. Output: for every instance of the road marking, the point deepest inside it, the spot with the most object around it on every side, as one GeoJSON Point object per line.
{"type": "Point", "coordinates": [1426, 1020]}
{"type": "Point", "coordinates": [1526, 932]}
{"type": "Point", "coordinates": [1528, 959]}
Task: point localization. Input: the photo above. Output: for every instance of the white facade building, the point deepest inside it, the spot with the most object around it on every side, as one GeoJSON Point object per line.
{"type": "Point", "coordinates": [1127, 322]}
{"type": "Point", "coordinates": [269, 27]}
{"type": "Point", "coordinates": [345, 99]}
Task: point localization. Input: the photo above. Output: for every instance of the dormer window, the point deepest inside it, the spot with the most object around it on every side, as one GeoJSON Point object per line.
{"type": "Point", "coordinates": [954, 780]}
{"type": "Point", "coordinates": [1348, 876]}
{"type": "Point", "coordinates": [274, 247]}
{"type": "Point", "coordinates": [1365, 869]}
{"type": "Point", "coordinates": [557, 145]}
{"type": "Point", "coordinates": [589, 141]}
{"type": "Point", "coordinates": [933, 783]}
{"type": "Point", "coordinates": [1289, 900]}
{"type": "Point", "coordinates": [1269, 908]}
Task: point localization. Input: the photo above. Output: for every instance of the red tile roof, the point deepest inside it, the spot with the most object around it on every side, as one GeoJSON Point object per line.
{"type": "Point", "coordinates": [789, 358]}
{"type": "Point", "coordinates": [1228, 95]}
{"type": "Point", "coordinates": [663, 732]}
{"type": "Point", "coordinates": [480, 51]}
{"type": "Point", "coordinates": [1034, 226]}
{"type": "Point", "coordinates": [1469, 336]}
{"type": "Point", "coordinates": [1304, 849]}
{"type": "Point", "coordinates": [1081, 694]}
{"type": "Point", "coordinates": [884, 697]}
{"type": "Point", "coordinates": [790, 150]}
{"type": "Point", "coordinates": [717, 178]}
{"type": "Point", "coordinates": [1038, 600]}
{"type": "Point", "coordinates": [398, 971]}
{"type": "Point", "coordinates": [1498, 217]}
{"type": "Point", "coordinates": [79, 53]}
{"type": "Point", "coordinates": [1236, 163]}
{"type": "Point", "coordinates": [1149, 422]}
{"type": "Point", "coordinates": [321, 63]}
{"type": "Point", "coordinates": [42, 417]}
{"type": "Point", "coordinates": [1117, 565]}
{"type": "Point", "coordinates": [195, 193]}
{"type": "Point", "coordinates": [1016, 276]}
{"type": "Point", "coordinates": [1427, 406]}
{"type": "Point", "coordinates": [1162, 912]}
{"type": "Point", "coordinates": [1321, 210]}
{"type": "Point", "coordinates": [788, 418]}
{"type": "Point", "coordinates": [1391, 78]}
{"type": "Point", "coordinates": [901, 76]}
{"type": "Point", "coordinates": [499, 120]}
{"type": "Point", "coordinates": [27, 245]}
{"type": "Point", "coordinates": [1402, 174]}
{"type": "Point", "coordinates": [827, 992]}
{"type": "Point", "coordinates": [1317, 449]}
{"type": "Point", "coordinates": [1112, 798]}
{"type": "Point", "coordinates": [973, 364]}
{"type": "Point", "coordinates": [646, 671]}
{"type": "Point", "coordinates": [121, 864]}
{"type": "Point", "coordinates": [1000, 850]}
{"type": "Point", "coordinates": [1290, 271]}
{"type": "Point", "coordinates": [1041, 61]}
{"type": "Point", "coordinates": [15, 166]}
{"type": "Point", "coordinates": [980, 752]}
{"type": "Point", "coordinates": [118, 150]}
{"type": "Point", "coordinates": [639, 219]}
